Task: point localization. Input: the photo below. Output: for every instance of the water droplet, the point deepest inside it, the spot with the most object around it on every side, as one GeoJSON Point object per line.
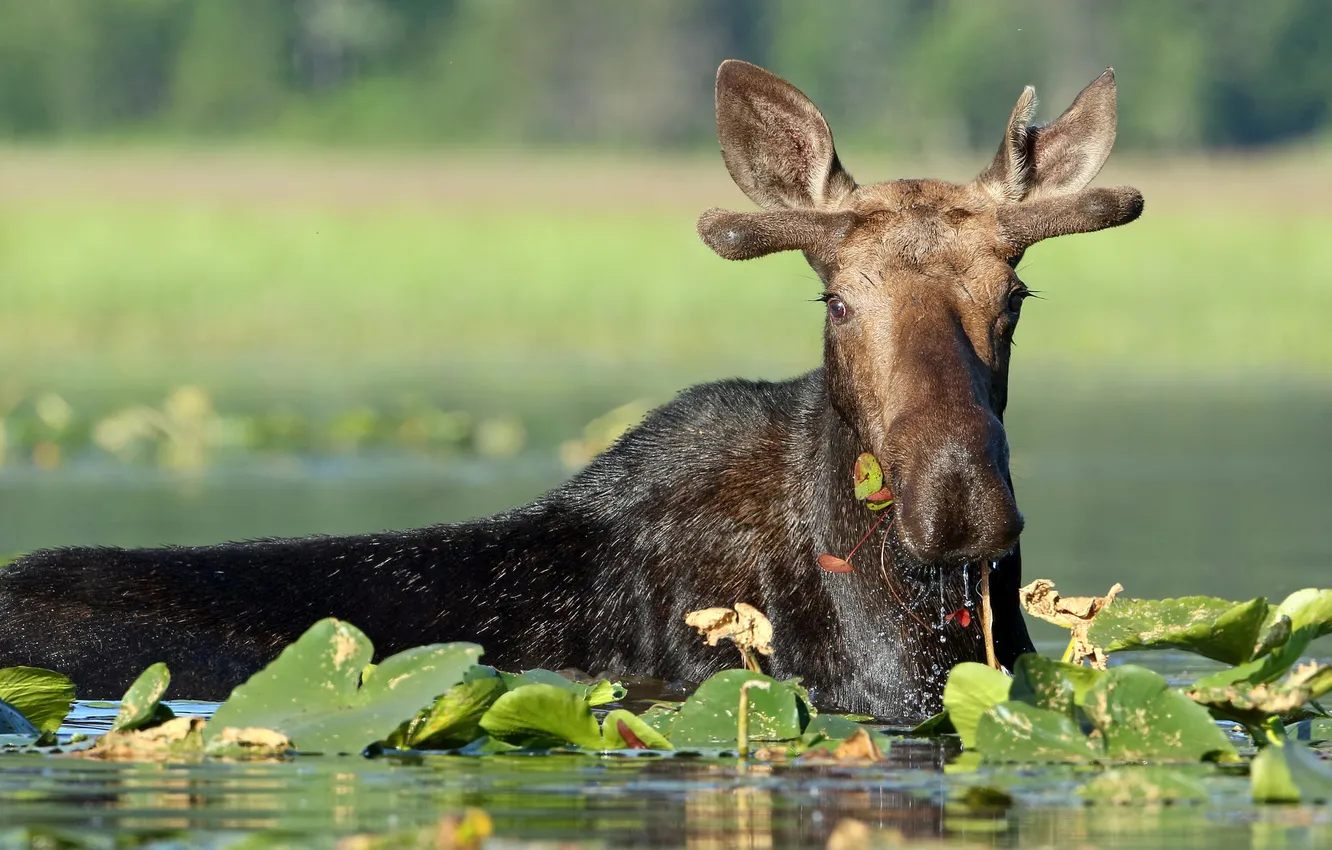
{"type": "Point", "coordinates": [966, 585]}
{"type": "Point", "coordinates": [938, 578]}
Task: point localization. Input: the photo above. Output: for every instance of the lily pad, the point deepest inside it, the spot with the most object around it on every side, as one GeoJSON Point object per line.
{"type": "Point", "coordinates": [1214, 628]}
{"type": "Point", "coordinates": [1252, 704]}
{"type": "Point", "coordinates": [1143, 719]}
{"type": "Point", "coordinates": [42, 696]}
{"type": "Point", "coordinates": [542, 716]}
{"type": "Point", "coordinates": [599, 693]}
{"type": "Point", "coordinates": [1310, 615]}
{"type": "Point", "coordinates": [1017, 732]}
{"type": "Point", "coordinates": [1145, 785]}
{"type": "Point", "coordinates": [1290, 772]}
{"type": "Point", "coordinates": [142, 704]}
{"type": "Point", "coordinates": [178, 739]}
{"type": "Point", "coordinates": [312, 693]}
{"type": "Point", "coordinates": [973, 689]}
{"type": "Point", "coordinates": [454, 720]}
{"type": "Point", "coordinates": [1053, 685]}
{"type": "Point", "coordinates": [709, 717]}
{"type": "Point", "coordinates": [621, 730]}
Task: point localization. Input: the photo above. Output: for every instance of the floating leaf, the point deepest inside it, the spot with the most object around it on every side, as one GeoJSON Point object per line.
{"type": "Point", "coordinates": [1310, 615]}
{"type": "Point", "coordinates": [1290, 773]}
{"type": "Point", "coordinates": [1214, 628]}
{"type": "Point", "coordinates": [310, 692]}
{"type": "Point", "coordinates": [1145, 785]}
{"type": "Point", "coordinates": [621, 730]}
{"type": "Point", "coordinates": [973, 689]}
{"type": "Point", "coordinates": [709, 717]}
{"type": "Point", "coordinates": [1253, 704]}
{"type": "Point", "coordinates": [542, 716]}
{"type": "Point", "coordinates": [1054, 685]}
{"type": "Point", "coordinates": [1143, 719]}
{"type": "Point", "coordinates": [176, 739]}
{"type": "Point", "coordinates": [868, 476]}
{"type": "Point", "coordinates": [661, 718]}
{"type": "Point", "coordinates": [453, 720]}
{"type": "Point", "coordinates": [598, 693]}
{"type": "Point", "coordinates": [1018, 732]}
{"type": "Point", "coordinates": [1076, 613]}
{"type": "Point", "coordinates": [249, 744]}
{"type": "Point", "coordinates": [142, 704]}
{"type": "Point", "coordinates": [42, 696]}
{"type": "Point", "coordinates": [834, 564]}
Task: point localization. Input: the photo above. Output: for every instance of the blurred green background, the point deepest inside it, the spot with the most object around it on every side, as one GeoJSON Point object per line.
{"type": "Point", "coordinates": [276, 267]}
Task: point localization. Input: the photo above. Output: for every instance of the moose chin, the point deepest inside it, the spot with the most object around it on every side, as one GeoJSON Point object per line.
{"type": "Point", "coordinates": [727, 494]}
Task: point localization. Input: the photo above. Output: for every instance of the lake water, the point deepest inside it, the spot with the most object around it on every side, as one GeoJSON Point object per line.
{"type": "Point", "coordinates": [1218, 488]}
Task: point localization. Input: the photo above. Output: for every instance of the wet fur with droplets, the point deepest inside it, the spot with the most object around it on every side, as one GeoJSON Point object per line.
{"type": "Point", "coordinates": [727, 494]}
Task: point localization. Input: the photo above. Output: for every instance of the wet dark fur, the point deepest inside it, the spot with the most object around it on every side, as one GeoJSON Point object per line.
{"type": "Point", "coordinates": [726, 494]}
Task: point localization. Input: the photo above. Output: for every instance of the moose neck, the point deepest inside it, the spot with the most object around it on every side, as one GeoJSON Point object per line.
{"type": "Point", "coordinates": [901, 621]}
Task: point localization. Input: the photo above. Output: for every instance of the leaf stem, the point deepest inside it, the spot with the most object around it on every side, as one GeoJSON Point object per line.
{"type": "Point", "coordinates": [987, 617]}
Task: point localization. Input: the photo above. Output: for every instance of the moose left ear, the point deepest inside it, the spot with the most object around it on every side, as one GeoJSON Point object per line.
{"type": "Point", "coordinates": [1060, 158]}
{"type": "Point", "coordinates": [744, 236]}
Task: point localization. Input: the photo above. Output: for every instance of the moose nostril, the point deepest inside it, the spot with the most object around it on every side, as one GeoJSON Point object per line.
{"type": "Point", "coordinates": [947, 521]}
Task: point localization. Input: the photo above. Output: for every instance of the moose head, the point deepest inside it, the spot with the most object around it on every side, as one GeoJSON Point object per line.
{"type": "Point", "coordinates": [920, 285]}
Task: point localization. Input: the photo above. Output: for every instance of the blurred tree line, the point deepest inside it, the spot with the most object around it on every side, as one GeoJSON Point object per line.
{"type": "Point", "coordinates": [898, 74]}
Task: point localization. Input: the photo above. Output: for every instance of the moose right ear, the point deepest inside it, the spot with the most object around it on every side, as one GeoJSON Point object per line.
{"type": "Point", "coordinates": [775, 142]}
{"type": "Point", "coordinates": [744, 236]}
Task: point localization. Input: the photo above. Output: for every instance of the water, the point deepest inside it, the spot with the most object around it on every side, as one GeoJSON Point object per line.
{"type": "Point", "coordinates": [1170, 489]}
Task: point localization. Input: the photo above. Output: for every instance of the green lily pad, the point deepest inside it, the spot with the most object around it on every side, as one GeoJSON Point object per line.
{"type": "Point", "coordinates": [1290, 773]}
{"type": "Point", "coordinates": [42, 696]}
{"type": "Point", "coordinates": [1215, 628]}
{"type": "Point", "coordinates": [312, 693]}
{"type": "Point", "coordinates": [708, 718]}
{"type": "Point", "coordinates": [935, 724]}
{"type": "Point", "coordinates": [453, 720]}
{"type": "Point", "coordinates": [868, 475]}
{"type": "Point", "coordinates": [1018, 732]}
{"type": "Point", "coordinates": [1253, 704]}
{"type": "Point", "coordinates": [1143, 719]}
{"type": "Point", "coordinates": [542, 716]}
{"type": "Point", "coordinates": [1310, 615]}
{"type": "Point", "coordinates": [1053, 685]}
{"type": "Point", "coordinates": [832, 726]}
{"type": "Point", "coordinates": [618, 722]}
{"type": "Point", "coordinates": [596, 694]}
{"type": "Point", "coordinates": [1145, 785]}
{"type": "Point", "coordinates": [141, 706]}
{"type": "Point", "coordinates": [661, 718]}
{"type": "Point", "coordinates": [973, 689]}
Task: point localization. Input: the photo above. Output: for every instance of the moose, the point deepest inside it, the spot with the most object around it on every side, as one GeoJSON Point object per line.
{"type": "Point", "coordinates": [729, 493]}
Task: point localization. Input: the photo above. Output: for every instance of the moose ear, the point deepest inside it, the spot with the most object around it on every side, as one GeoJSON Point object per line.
{"type": "Point", "coordinates": [1060, 158]}
{"type": "Point", "coordinates": [744, 236]}
{"type": "Point", "coordinates": [775, 142]}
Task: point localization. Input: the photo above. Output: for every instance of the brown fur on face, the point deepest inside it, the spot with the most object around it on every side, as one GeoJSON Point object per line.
{"type": "Point", "coordinates": [918, 364]}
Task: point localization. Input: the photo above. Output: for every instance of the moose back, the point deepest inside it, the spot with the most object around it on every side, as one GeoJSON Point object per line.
{"type": "Point", "coordinates": [727, 494]}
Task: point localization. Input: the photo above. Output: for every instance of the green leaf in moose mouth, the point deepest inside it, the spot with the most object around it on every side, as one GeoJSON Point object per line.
{"type": "Point", "coordinates": [709, 717]}
{"type": "Point", "coordinates": [1143, 719]}
{"type": "Point", "coordinates": [1215, 628]}
{"type": "Point", "coordinates": [142, 704]}
{"type": "Point", "coordinates": [312, 692]}
{"type": "Point", "coordinates": [42, 696]}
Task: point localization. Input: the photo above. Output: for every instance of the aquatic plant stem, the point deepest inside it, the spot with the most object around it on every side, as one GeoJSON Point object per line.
{"type": "Point", "coordinates": [987, 618]}
{"type": "Point", "coordinates": [742, 722]}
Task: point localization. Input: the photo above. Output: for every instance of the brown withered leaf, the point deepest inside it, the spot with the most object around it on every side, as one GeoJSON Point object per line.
{"type": "Point", "coordinates": [1076, 613]}
{"type": "Point", "coordinates": [249, 742]}
{"type": "Point", "coordinates": [744, 625]}
{"type": "Point", "coordinates": [178, 739]}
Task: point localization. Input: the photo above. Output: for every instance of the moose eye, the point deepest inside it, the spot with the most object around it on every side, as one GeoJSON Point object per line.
{"type": "Point", "coordinates": [837, 309]}
{"type": "Point", "coordinates": [1015, 299]}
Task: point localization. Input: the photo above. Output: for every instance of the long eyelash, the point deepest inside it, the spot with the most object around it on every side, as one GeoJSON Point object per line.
{"type": "Point", "coordinates": [824, 296]}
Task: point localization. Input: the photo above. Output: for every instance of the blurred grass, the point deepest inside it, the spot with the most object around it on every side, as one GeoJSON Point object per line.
{"type": "Point", "coordinates": [142, 285]}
